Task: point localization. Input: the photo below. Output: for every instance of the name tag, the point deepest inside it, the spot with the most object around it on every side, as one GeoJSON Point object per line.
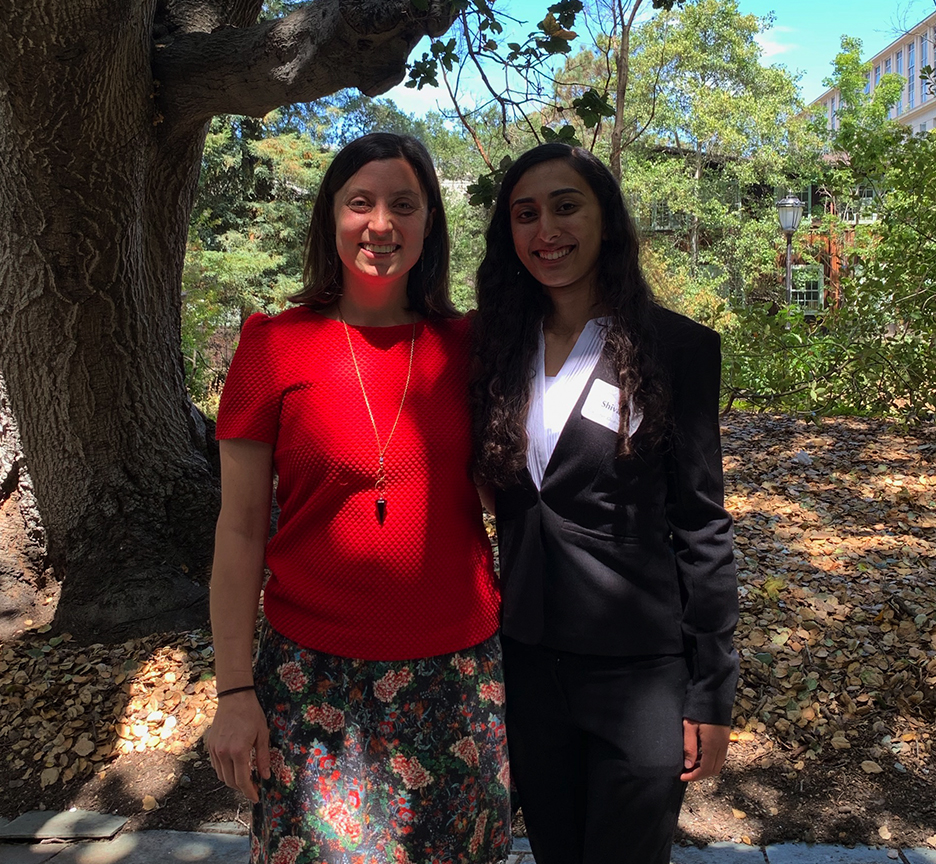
{"type": "Point", "coordinates": [601, 406]}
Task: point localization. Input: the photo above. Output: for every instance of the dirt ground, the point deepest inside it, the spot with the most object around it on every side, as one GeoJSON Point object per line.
{"type": "Point", "coordinates": [834, 726]}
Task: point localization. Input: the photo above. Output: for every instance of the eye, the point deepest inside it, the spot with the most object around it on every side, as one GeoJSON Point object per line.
{"type": "Point", "coordinates": [405, 206]}
{"type": "Point", "coordinates": [567, 207]}
{"type": "Point", "coordinates": [359, 203]}
{"type": "Point", "coordinates": [525, 214]}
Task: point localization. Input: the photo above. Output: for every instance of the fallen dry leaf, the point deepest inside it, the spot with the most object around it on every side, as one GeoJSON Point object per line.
{"type": "Point", "coordinates": [150, 803]}
{"type": "Point", "coordinates": [84, 747]}
{"type": "Point", "coordinates": [870, 767]}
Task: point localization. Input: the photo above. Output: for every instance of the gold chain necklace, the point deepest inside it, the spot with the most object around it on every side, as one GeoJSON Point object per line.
{"type": "Point", "coordinates": [380, 479]}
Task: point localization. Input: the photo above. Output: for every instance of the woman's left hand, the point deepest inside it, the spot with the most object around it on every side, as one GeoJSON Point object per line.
{"type": "Point", "coordinates": [705, 747]}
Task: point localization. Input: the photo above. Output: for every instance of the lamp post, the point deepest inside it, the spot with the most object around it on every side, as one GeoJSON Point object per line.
{"type": "Point", "coordinates": [789, 212]}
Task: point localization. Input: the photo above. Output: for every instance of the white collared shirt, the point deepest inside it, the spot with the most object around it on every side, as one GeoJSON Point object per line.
{"type": "Point", "coordinates": [553, 398]}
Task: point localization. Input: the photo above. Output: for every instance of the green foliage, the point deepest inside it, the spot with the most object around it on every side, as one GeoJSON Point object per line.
{"type": "Point", "coordinates": [245, 239]}
{"type": "Point", "coordinates": [591, 106]}
{"type": "Point", "coordinates": [857, 359]}
{"type": "Point", "coordinates": [696, 293]}
{"type": "Point", "coordinates": [564, 135]}
{"type": "Point", "coordinates": [875, 353]}
{"type": "Point", "coordinates": [467, 225]}
{"type": "Point", "coordinates": [484, 190]}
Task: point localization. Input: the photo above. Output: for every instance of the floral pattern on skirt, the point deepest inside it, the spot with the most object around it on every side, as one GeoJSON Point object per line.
{"type": "Point", "coordinates": [382, 762]}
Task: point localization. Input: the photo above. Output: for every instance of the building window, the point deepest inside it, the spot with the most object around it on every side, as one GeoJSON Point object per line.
{"type": "Point", "coordinates": [877, 75]}
{"type": "Point", "coordinates": [899, 70]}
{"type": "Point", "coordinates": [923, 128]}
{"type": "Point", "coordinates": [924, 59]}
{"type": "Point", "coordinates": [887, 71]}
{"type": "Point", "coordinates": [808, 291]}
{"type": "Point", "coordinates": [662, 218]}
{"type": "Point", "coordinates": [806, 196]}
{"type": "Point", "coordinates": [862, 207]}
{"type": "Point", "coordinates": [867, 82]}
{"type": "Point", "coordinates": [911, 76]}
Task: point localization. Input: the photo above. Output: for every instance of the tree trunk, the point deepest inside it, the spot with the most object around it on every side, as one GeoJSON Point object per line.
{"type": "Point", "coordinates": [92, 236]}
{"type": "Point", "coordinates": [622, 68]}
{"type": "Point", "coordinates": [24, 588]}
{"type": "Point", "coordinates": [696, 223]}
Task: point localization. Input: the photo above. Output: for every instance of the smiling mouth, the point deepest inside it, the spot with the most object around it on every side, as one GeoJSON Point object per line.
{"type": "Point", "coordinates": [379, 250]}
{"type": "Point", "coordinates": [553, 254]}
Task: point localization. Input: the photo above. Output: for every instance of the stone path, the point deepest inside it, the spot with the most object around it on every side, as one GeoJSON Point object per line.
{"type": "Point", "coordinates": [67, 843]}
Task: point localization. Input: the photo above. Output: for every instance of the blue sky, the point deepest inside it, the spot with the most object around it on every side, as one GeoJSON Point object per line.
{"type": "Point", "coordinates": [805, 36]}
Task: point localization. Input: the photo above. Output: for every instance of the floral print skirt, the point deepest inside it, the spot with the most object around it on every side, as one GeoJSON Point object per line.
{"type": "Point", "coordinates": [382, 762]}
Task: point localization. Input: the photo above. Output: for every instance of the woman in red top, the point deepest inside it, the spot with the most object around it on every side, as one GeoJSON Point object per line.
{"type": "Point", "coordinates": [370, 724]}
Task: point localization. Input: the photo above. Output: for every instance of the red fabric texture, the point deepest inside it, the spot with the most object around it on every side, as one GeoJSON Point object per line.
{"type": "Point", "coordinates": [422, 583]}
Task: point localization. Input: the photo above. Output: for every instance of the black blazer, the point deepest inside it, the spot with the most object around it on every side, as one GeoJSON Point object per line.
{"type": "Point", "coordinates": [626, 557]}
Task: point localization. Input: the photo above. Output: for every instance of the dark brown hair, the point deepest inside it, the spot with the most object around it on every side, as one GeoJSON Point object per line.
{"type": "Point", "coordinates": [511, 308]}
{"type": "Point", "coordinates": [427, 287]}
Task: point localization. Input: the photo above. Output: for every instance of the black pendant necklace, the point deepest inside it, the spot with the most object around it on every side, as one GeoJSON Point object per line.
{"type": "Point", "coordinates": [380, 479]}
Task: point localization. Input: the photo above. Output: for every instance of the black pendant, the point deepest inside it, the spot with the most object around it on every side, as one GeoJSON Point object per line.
{"type": "Point", "coordinates": [381, 510]}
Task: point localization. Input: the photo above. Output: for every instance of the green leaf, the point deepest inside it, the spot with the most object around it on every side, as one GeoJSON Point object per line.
{"type": "Point", "coordinates": [591, 107]}
{"type": "Point", "coordinates": [565, 135]}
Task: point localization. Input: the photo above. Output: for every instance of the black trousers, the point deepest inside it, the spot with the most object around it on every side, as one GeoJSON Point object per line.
{"type": "Point", "coordinates": [596, 750]}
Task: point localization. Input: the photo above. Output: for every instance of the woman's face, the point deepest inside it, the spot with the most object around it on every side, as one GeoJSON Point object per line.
{"type": "Point", "coordinates": [555, 219]}
{"type": "Point", "coordinates": [381, 220]}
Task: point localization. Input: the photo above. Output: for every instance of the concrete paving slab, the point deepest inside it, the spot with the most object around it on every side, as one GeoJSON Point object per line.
{"type": "Point", "coordinates": [29, 853]}
{"type": "Point", "coordinates": [164, 847]}
{"type": "Point", "coordinates": [920, 856]}
{"type": "Point", "coordinates": [224, 828]}
{"type": "Point", "coordinates": [803, 853]}
{"type": "Point", "coordinates": [71, 825]}
{"type": "Point", "coordinates": [520, 844]}
{"type": "Point", "coordinates": [717, 853]}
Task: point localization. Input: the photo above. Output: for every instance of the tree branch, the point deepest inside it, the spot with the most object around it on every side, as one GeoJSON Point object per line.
{"type": "Point", "coordinates": [317, 50]}
{"type": "Point", "coordinates": [468, 127]}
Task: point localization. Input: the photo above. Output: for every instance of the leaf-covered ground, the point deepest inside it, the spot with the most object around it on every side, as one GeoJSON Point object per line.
{"type": "Point", "coordinates": [834, 727]}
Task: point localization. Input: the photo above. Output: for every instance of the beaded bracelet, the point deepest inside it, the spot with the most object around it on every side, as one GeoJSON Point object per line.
{"type": "Point", "coordinates": [237, 690]}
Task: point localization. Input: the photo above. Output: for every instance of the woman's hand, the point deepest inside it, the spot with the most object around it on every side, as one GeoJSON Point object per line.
{"type": "Point", "coordinates": [705, 747]}
{"type": "Point", "coordinates": [240, 728]}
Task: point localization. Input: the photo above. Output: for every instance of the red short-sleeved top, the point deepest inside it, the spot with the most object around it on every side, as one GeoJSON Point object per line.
{"type": "Point", "coordinates": [422, 583]}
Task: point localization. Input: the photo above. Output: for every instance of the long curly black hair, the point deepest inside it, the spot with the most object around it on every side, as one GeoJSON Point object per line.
{"type": "Point", "coordinates": [511, 308]}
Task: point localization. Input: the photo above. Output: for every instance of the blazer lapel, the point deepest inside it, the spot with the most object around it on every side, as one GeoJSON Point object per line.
{"type": "Point", "coordinates": [579, 437]}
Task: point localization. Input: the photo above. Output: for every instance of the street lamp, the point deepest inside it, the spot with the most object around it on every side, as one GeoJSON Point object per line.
{"type": "Point", "coordinates": [789, 212]}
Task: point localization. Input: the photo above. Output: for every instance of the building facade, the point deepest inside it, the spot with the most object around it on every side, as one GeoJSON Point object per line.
{"type": "Point", "coordinates": [904, 56]}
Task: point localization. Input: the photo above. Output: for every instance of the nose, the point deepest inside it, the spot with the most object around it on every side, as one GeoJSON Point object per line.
{"type": "Point", "coordinates": [380, 221]}
{"type": "Point", "coordinates": [548, 227]}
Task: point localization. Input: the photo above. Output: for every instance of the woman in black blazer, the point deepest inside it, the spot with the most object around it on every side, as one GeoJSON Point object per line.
{"type": "Point", "coordinates": [596, 421]}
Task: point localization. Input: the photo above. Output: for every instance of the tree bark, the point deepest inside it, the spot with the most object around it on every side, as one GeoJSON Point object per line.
{"type": "Point", "coordinates": [99, 162]}
{"type": "Point", "coordinates": [627, 10]}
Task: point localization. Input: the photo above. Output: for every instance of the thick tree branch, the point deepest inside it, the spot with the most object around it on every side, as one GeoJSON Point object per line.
{"type": "Point", "coordinates": [174, 17]}
{"type": "Point", "coordinates": [319, 49]}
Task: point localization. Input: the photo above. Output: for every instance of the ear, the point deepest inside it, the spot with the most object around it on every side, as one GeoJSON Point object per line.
{"type": "Point", "coordinates": [429, 223]}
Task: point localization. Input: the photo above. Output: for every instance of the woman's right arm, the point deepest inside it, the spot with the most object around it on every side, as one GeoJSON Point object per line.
{"type": "Point", "coordinates": [239, 726]}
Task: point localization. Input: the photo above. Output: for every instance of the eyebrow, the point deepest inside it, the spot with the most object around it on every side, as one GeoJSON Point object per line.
{"type": "Point", "coordinates": [554, 194]}
{"type": "Point", "coordinates": [360, 190]}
